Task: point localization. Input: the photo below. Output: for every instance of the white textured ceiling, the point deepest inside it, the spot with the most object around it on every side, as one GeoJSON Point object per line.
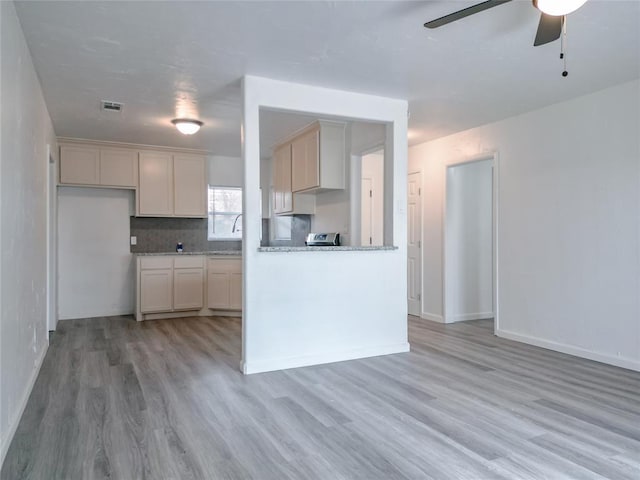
{"type": "Point", "coordinates": [170, 59]}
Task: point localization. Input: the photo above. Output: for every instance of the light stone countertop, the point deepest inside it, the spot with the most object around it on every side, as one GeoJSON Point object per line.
{"type": "Point", "coordinates": [325, 249]}
{"type": "Point", "coordinates": [236, 253]}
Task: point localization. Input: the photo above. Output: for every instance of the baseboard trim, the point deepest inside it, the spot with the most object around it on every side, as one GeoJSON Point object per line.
{"type": "Point", "coordinates": [622, 362]}
{"type": "Point", "coordinates": [432, 317]}
{"type": "Point", "coordinates": [188, 313]}
{"type": "Point", "coordinates": [271, 365]}
{"type": "Point", "coordinates": [116, 313]}
{"type": "Point", "coordinates": [468, 316]}
{"type": "Point", "coordinates": [13, 425]}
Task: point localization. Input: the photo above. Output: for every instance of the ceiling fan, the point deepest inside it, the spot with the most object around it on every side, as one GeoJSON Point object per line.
{"type": "Point", "coordinates": [552, 16]}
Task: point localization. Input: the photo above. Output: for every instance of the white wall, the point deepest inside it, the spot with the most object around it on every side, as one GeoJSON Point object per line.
{"type": "Point", "coordinates": [366, 136]}
{"type": "Point", "coordinates": [26, 130]}
{"type": "Point", "coordinates": [303, 308]}
{"type": "Point", "coordinates": [96, 271]}
{"type": "Point", "coordinates": [225, 171]}
{"type": "Point", "coordinates": [469, 242]}
{"type": "Point", "coordinates": [333, 213]}
{"type": "Point", "coordinates": [569, 228]}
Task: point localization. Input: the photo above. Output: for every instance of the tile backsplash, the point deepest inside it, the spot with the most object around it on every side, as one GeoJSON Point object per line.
{"type": "Point", "coordinates": [160, 235]}
{"type": "Point", "coordinates": [300, 227]}
{"type": "Point", "coordinates": [157, 235]}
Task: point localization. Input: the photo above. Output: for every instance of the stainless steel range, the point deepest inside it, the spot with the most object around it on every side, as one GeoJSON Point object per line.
{"type": "Point", "coordinates": [323, 240]}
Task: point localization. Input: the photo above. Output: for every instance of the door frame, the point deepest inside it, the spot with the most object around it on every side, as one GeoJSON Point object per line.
{"type": "Point", "coordinates": [356, 188]}
{"type": "Point", "coordinates": [421, 257]}
{"type": "Point", "coordinates": [495, 165]}
{"type": "Point", "coordinates": [52, 240]}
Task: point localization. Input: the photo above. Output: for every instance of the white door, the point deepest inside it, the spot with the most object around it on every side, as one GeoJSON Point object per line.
{"type": "Point", "coordinates": [372, 195]}
{"type": "Point", "coordinates": [414, 239]}
{"type": "Point", "coordinates": [367, 200]}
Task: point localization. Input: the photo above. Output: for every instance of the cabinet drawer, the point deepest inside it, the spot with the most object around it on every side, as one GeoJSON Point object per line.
{"type": "Point", "coordinates": [191, 261]}
{"type": "Point", "coordinates": [155, 263]}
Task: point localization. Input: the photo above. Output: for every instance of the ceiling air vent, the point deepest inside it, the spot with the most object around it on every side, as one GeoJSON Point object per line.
{"type": "Point", "coordinates": [112, 106]}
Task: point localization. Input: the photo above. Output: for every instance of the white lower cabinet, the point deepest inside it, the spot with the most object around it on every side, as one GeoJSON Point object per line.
{"type": "Point", "coordinates": [224, 283]}
{"type": "Point", "coordinates": [172, 283]}
{"type": "Point", "coordinates": [188, 288]}
{"type": "Point", "coordinates": [235, 295]}
{"type": "Point", "coordinates": [156, 288]}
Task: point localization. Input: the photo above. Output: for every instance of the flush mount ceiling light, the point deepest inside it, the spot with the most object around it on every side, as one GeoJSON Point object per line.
{"type": "Point", "coordinates": [558, 8]}
{"type": "Point", "coordinates": [187, 126]}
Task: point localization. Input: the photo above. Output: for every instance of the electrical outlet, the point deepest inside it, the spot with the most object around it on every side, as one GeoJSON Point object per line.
{"type": "Point", "coordinates": [134, 240]}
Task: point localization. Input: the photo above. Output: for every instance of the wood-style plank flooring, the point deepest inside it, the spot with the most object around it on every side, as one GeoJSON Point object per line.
{"type": "Point", "coordinates": [165, 400]}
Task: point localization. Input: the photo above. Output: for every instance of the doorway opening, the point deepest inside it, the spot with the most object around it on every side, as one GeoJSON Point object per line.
{"type": "Point", "coordinates": [470, 265]}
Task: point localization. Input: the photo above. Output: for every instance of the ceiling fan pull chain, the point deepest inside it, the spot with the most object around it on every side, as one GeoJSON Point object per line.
{"type": "Point", "coordinates": [563, 46]}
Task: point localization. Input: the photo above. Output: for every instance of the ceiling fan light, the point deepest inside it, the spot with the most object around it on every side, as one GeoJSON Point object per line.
{"type": "Point", "coordinates": [558, 8]}
{"type": "Point", "coordinates": [187, 126]}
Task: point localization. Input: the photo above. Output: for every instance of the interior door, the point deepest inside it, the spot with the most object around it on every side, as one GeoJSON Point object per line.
{"type": "Point", "coordinates": [414, 248]}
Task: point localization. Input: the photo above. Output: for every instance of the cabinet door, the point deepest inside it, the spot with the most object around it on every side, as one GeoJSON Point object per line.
{"type": "Point", "coordinates": [298, 164]}
{"type": "Point", "coordinates": [189, 179]}
{"type": "Point", "coordinates": [235, 293]}
{"type": "Point", "coordinates": [277, 182]}
{"type": "Point", "coordinates": [282, 180]}
{"type": "Point", "coordinates": [187, 288]}
{"type": "Point", "coordinates": [155, 189]}
{"type": "Point", "coordinates": [218, 289]}
{"type": "Point", "coordinates": [79, 165]}
{"type": "Point", "coordinates": [312, 157]}
{"type": "Point", "coordinates": [156, 290]}
{"type": "Point", "coordinates": [118, 167]}
{"type": "Point", "coordinates": [305, 166]}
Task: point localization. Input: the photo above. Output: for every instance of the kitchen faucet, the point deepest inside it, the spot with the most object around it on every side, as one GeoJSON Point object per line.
{"type": "Point", "coordinates": [234, 229]}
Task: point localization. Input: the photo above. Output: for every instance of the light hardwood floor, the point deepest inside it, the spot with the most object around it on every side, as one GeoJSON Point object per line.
{"type": "Point", "coordinates": [165, 400]}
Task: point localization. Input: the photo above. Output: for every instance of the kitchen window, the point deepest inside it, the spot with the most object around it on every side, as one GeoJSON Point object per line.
{"type": "Point", "coordinates": [225, 213]}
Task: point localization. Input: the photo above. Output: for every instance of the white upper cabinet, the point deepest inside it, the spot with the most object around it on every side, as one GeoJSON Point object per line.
{"type": "Point", "coordinates": [172, 185]}
{"type": "Point", "coordinates": [317, 158]}
{"type": "Point", "coordinates": [285, 202]}
{"type": "Point", "coordinates": [305, 168]}
{"type": "Point", "coordinates": [190, 189]}
{"type": "Point", "coordinates": [283, 197]}
{"type": "Point", "coordinates": [98, 166]}
{"type": "Point", "coordinates": [79, 165]}
{"type": "Point", "coordinates": [118, 167]}
{"type": "Point", "coordinates": [311, 162]}
{"type": "Point", "coordinates": [155, 188]}
{"type": "Point", "coordinates": [168, 183]}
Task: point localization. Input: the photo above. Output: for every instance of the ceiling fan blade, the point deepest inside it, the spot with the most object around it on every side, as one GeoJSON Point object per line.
{"type": "Point", "coordinates": [465, 12]}
{"type": "Point", "coordinates": [549, 29]}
